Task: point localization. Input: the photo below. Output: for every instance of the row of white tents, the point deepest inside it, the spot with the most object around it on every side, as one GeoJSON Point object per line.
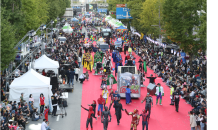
{"type": "Point", "coordinates": [34, 83]}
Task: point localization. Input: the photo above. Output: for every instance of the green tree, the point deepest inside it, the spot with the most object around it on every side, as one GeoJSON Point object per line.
{"type": "Point", "coordinates": [42, 9]}
{"type": "Point", "coordinates": [29, 8]}
{"type": "Point", "coordinates": [202, 32]}
{"type": "Point", "coordinates": [181, 17]}
{"type": "Point", "coordinates": [14, 15]}
{"type": "Point", "coordinates": [150, 16]}
{"type": "Point", "coordinates": [8, 41]}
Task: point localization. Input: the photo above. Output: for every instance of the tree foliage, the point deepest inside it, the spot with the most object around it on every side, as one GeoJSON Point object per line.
{"type": "Point", "coordinates": [7, 41]}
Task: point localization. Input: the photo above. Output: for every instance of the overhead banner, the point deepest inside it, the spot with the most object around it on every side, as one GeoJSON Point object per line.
{"type": "Point", "coordinates": [91, 7]}
{"type": "Point", "coordinates": [122, 12]}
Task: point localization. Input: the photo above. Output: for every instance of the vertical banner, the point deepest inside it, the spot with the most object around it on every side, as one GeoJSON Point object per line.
{"type": "Point", "coordinates": [183, 55]}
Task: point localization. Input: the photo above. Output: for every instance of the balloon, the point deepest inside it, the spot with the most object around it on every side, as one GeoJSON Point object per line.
{"type": "Point", "coordinates": [113, 69]}
{"type": "Point", "coordinates": [104, 70]}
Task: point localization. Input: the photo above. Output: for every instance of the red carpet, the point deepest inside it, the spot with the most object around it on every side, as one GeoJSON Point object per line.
{"type": "Point", "coordinates": [162, 117]}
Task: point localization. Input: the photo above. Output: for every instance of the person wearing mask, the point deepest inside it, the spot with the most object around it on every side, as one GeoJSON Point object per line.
{"type": "Point", "coordinates": [90, 116]}
{"type": "Point", "coordinates": [159, 93]}
{"type": "Point", "coordinates": [118, 113]}
{"type": "Point", "coordinates": [128, 96]}
{"type": "Point", "coordinates": [145, 119]}
{"type": "Point", "coordinates": [104, 118]}
{"type": "Point", "coordinates": [148, 103]}
{"type": "Point", "coordinates": [101, 102]}
{"type": "Point", "coordinates": [54, 100]}
{"type": "Point", "coordinates": [77, 73]}
{"type": "Point", "coordinates": [116, 97]}
{"type": "Point", "coordinates": [41, 103]}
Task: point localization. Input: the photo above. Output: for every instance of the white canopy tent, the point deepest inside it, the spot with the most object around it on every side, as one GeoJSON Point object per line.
{"type": "Point", "coordinates": [46, 63]}
{"type": "Point", "coordinates": [31, 83]}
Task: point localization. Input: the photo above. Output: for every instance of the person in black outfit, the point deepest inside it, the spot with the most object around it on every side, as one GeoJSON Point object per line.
{"type": "Point", "coordinates": [104, 117]}
{"type": "Point", "coordinates": [54, 101]}
{"type": "Point", "coordinates": [152, 79]}
{"type": "Point", "coordinates": [68, 76]}
{"type": "Point", "coordinates": [93, 106]}
{"type": "Point", "coordinates": [90, 116]}
{"type": "Point", "coordinates": [118, 113]}
{"type": "Point", "coordinates": [176, 99]}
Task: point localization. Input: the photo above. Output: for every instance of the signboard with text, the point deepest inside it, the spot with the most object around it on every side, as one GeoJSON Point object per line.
{"type": "Point", "coordinates": [123, 13]}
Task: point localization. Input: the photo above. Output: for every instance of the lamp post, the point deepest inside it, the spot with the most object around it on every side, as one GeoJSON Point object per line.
{"type": "Point", "coordinates": [31, 34]}
{"type": "Point", "coordinates": [42, 27]}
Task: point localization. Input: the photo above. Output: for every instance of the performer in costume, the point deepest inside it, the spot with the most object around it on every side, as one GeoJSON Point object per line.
{"type": "Point", "coordinates": [112, 98]}
{"type": "Point", "coordinates": [148, 103]}
{"type": "Point", "coordinates": [159, 93]}
{"type": "Point", "coordinates": [111, 80]}
{"type": "Point", "coordinates": [93, 106]}
{"type": "Point", "coordinates": [46, 113]}
{"type": "Point", "coordinates": [135, 119]}
{"type": "Point", "coordinates": [145, 119]}
{"type": "Point", "coordinates": [101, 102]}
{"type": "Point", "coordinates": [118, 113]}
{"type": "Point", "coordinates": [89, 60]}
{"type": "Point", "coordinates": [104, 118]}
{"type": "Point", "coordinates": [90, 116]}
{"type": "Point", "coordinates": [176, 99]}
{"type": "Point", "coordinates": [171, 94]}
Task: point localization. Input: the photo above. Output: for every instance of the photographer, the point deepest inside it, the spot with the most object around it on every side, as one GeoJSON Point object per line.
{"type": "Point", "coordinates": [45, 126]}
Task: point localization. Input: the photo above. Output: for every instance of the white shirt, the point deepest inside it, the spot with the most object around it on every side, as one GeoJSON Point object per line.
{"type": "Point", "coordinates": [43, 126]}
{"type": "Point", "coordinates": [77, 71]}
{"type": "Point", "coordinates": [105, 94]}
{"type": "Point", "coordinates": [82, 76]}
{"type": "Point", "coordinates": [79, 59]}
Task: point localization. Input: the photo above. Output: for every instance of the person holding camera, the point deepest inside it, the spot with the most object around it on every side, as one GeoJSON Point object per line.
{"type": "Point", "coordinates": [45, 125]}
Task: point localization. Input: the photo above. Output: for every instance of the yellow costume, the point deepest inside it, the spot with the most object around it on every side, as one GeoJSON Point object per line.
{"type": "Point", "coordinates": [89, 62]}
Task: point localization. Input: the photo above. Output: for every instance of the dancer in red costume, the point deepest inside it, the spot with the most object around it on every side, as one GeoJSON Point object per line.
{"type": "Point", "coordinates": [101, 102]}
{"type": "Point", "coordinates": [135, 118]}
{"type": "Point", "coordinates": [90, 116]}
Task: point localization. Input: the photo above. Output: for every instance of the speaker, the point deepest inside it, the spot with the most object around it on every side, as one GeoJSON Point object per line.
{"type": "Point", "coordinates": [151, 89]}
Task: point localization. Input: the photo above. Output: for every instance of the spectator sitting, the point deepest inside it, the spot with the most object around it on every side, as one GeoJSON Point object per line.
{"type": "Point", "coordinates": [35, 116]}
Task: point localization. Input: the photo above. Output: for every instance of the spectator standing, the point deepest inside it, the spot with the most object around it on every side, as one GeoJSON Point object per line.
{"type": "Point", "coordinates": [41, 103]}
{"type": "Point", "coordinates": [77, 72]}
{"type": "Point", "coordinates": [79, 61]}
{"type": "Point", "coordinates": [31, 98]}
{"type": "Point", "coordinates": [21, 98]}
{"type": "Point", "coordinates": [71, 76]}
{"type": "Point", "coordinates": [54, 104]}
{"type": "Point", "coordinates": [193, 124]}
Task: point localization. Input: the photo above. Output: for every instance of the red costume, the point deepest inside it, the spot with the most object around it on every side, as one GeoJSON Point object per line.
{"type": "Point", "coordinates": [101, 102]}
{"type": "Point", "coordinates": [90, 116]}
{"type": "Point", "coordinates": [46, 114]}
{"type": "Point", "coordinates": [135, 118]}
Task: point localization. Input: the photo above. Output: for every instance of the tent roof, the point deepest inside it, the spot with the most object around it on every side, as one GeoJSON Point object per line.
{"type": "Point", "coordinates": [121, 27]}
{"type": "Point", "coordinates": [45, 63]}
{"type": "Point", "coordinates": [31, 79]}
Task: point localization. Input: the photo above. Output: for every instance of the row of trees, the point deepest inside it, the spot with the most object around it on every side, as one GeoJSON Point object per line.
{"type": "Point", "coordinates": [20, 16]}
{"type": "Point", "coordinates": [180, 20]}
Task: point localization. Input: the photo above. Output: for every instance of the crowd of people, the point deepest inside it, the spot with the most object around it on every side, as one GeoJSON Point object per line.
{"type": "Point", "coordinates": [185, 80]}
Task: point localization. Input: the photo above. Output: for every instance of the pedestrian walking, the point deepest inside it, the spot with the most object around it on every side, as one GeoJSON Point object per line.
{"type": "Point", "coordinates": [128, 96]}
{"type": "Point", "coordinates": [118, 113]}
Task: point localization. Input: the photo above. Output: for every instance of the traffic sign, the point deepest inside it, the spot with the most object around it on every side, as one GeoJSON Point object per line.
{"type": "Point", "coordinates": [121, 5]}
{"type": "Point", "coordinates": [123, 13]}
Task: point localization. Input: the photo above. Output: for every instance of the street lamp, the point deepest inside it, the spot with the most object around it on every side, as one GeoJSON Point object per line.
{"type": "Point", "coordinates": [42, 27]}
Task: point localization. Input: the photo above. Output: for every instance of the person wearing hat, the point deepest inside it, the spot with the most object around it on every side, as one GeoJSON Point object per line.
{"type": "Point", "coordinates": [116, 97]}
{"type": "Point", "coordinates": [176, 98]}
{"type": "Point", "coordinates": [159, 93]}
{"type": "Point", "coordinates": [149, 101]}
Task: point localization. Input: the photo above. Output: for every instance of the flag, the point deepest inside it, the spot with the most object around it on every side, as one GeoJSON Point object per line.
{"type": "Point", "coordinates": [145, 68]}
{"type": "Point", "coordinates": [142, 35]}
